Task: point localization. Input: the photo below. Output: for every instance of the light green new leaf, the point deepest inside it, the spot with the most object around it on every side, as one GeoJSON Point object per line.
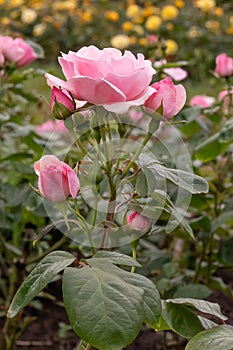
{"type": "Point", "coordinates": [40, 276]}
{"type": "Point", "coordinates": [216, 338]}
{"type": "Point", "coordinates": [103, 309]}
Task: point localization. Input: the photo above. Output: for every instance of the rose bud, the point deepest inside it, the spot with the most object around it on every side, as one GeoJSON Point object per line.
{"type": "Point", "coordinates": [57, 181]}
{"type": "Point", "coordinates": [62, 106]}
{"type": "Point", "coordinates": [138, 222]}
{"type": "Point", "coordinates": [224, 65]}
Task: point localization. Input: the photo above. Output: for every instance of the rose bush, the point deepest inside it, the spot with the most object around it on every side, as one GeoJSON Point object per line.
{"type": "Point", "coordinates": [105, 77]}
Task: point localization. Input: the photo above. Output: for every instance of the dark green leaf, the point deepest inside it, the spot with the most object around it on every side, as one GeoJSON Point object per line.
{"type": "Point", "coordinates": [40, 276]}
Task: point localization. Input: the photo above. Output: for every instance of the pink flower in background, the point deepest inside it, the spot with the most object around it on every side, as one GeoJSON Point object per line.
{"type": "Point", "coordinates": [105, 77]}
{"type": "Point", "coordinates": [226, 96]}
{"type": "Point", "coordinates": [177, 74]}
{"type": "Point", "coordinates": [224, 65]}
{"type": "Point", "coordinates": [152, 39]}
{"type": "Point", "coordinates": [168, 96]}
{"type": "Point", "coordinates": [138, 222]}
{"type": "Point", "coordinates": [16, 50]}
{"type": "Point", "coordinates": [51, 126]}
{"type": "Point", "coordinates": [202, 101]}
{"type": "Point", "coordinates": [57, 181]}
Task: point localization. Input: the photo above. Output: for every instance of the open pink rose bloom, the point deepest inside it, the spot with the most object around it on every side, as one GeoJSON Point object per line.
{"type": "Point", "coordinates": [57, 181]}
{"type": "Point", "coordinates": [16, 50]}
{"type": "Point", "coordinates": [105, 77]}
{"type": "Point", "coordinates": [224, 65]}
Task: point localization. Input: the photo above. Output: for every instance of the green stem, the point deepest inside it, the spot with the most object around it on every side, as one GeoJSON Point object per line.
{"type": "Point", "coordinates": [134, 256]}
{"type": "Point", "coordinates": [138, 152]}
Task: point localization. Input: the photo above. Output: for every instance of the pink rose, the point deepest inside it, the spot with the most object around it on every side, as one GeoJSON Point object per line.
{"type": "Point", "coordinates": [105, 77]}
{"type": "Point", "coordinates": [202, 101]}
{"type": "Point", "coordinates": [51, 126]}
{"type": "Point", "coordinates": [62, 104]}
{"type": "Point", "coordinates": [57, 181]}
{"type": "Point", "coordinates": [224, 65]}
{"type": "Point", "coordinates": [226, 96]}
{"type": "Point", "coordinates": [168, 96]}
{"type": "Point", "coordinates": [177, 74]}
{"type": "Point", "coordinates": [138, 222]}
{"type": "Point", "coordinates": [16, 50]}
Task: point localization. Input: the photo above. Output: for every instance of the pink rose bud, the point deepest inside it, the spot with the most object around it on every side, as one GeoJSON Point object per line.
{"type": "Point", "coordinates": [138, 222]}
{"type": "Point", "coordinates": [202, 101]}
{"type": "Point", "coordinates": [224, 65]}
{"type": "Point", "coordinates": [226, 96]}
{"type": "Point", "coordinates": [62, 106]}
{"type": "Point", "coordinates": [152, 39]}
{"type": "Point", "coordinates": [105, 77]}
{"type": "Point", "coordinates": [16, 50]}
{"type": "Point", "coordinates": [168, 96]}
{"type": "Point", "coordinates": [57, 181]}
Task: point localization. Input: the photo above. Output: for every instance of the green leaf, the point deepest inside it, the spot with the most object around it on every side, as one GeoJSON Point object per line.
{"type": "Point", "coordinates": [103, 309]}
{"type": "Point", "coordinates": [151, 299]}
{"type": "Point", "coordinates": [225, 253]}
{"type": "Point", "coordinates": [216, 338]}
{"type": "Point", "coordinates": [196, 291]}
{"type": "Point", "coordinates": [201, 305]}
{"type": "Point", "coordinates": [115, 258]}
{"type": "Point", "coordinates": [210, 148]}
{"type": "Point", "coordinates": [182, 320]}
{"type": "Point", "coordinates": [40, 276]}
{"type": "Point", "coordinates": [188, 181]}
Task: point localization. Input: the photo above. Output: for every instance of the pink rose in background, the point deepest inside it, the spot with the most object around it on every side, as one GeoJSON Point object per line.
{"type": "Point", "coordinates": [51, 126]}
{"type": "Point", "coordinates": [105, 77]}
{"type": "Point", "coordinates": [16, 50]}
{"type": "Point", "coordinates": [226, 96]}
{"type": "Point", "coordinates": [57, 181]}
{"type": "Point", "coordinates": [168, 96]}
{"type": "Point", "coordinates": [224, 65]}
{"type": "Point", "coordinates": [138, 222]}
{"type": "Point", "coordinates": [202, 101]}
{"type": "Point", "coordinates": [152, 39]}
{"type": "Point", "coordinates": [177, 74]}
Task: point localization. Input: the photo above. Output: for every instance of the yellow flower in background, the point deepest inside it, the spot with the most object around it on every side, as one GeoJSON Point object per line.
{"type": "Point", "coordinates": [28, 15]}
{"type": "Point", "coordinates": [229, 30]}
{"type": "Point", "coordinates": [213, 26]}
{"type": "Point", "coordinates": [153, 23]}
{"type": "Point", "coordinates": [171, 47]}
{"type": "Point", "coordinates": [64, 5]}
{"type": "Point", "coordinates": [39, 29]}
{"type": "Point", "coordinates": [219, 11]}
{"type": "Point", "coordinates": [127, 26]}
{"type": "Point", "coordinates": [148, 11]}
{"type": "Point", "coordinates": [87, 16]}
{"type": "Point", "coordinates": [179, 3]}
{"type": "Point", "coordinates": [169, 12]}
{"type": "Point", "coordinates": [5, 21]}
{"type": "Point", "coordinates": [133, 11]}
{"type": "Point", "coordinates": [132, 40]}
{"type": "Point", "coordinates": [193, 32]}
{"type": "Point", "coordinates": [205, 5]}
{"type": "Point", "coordinates": [142, 41]}
{"type": "Point", "coordinates": [36, 4]}
{"type": "Point", "coordinates": [112, 16]}
{"type": "Point", "coordinates": [2, 2]}
{"type": "Point", "coordinates": [120, 41]}
{"type": "Point", "coordinates": [138, 20]}
{"type": "Point", "coordinates": [138, 29]}
{"type": "Point", "coordinates": [170, 26]}
{"type": "Point", "coordinates": [15, 3]}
